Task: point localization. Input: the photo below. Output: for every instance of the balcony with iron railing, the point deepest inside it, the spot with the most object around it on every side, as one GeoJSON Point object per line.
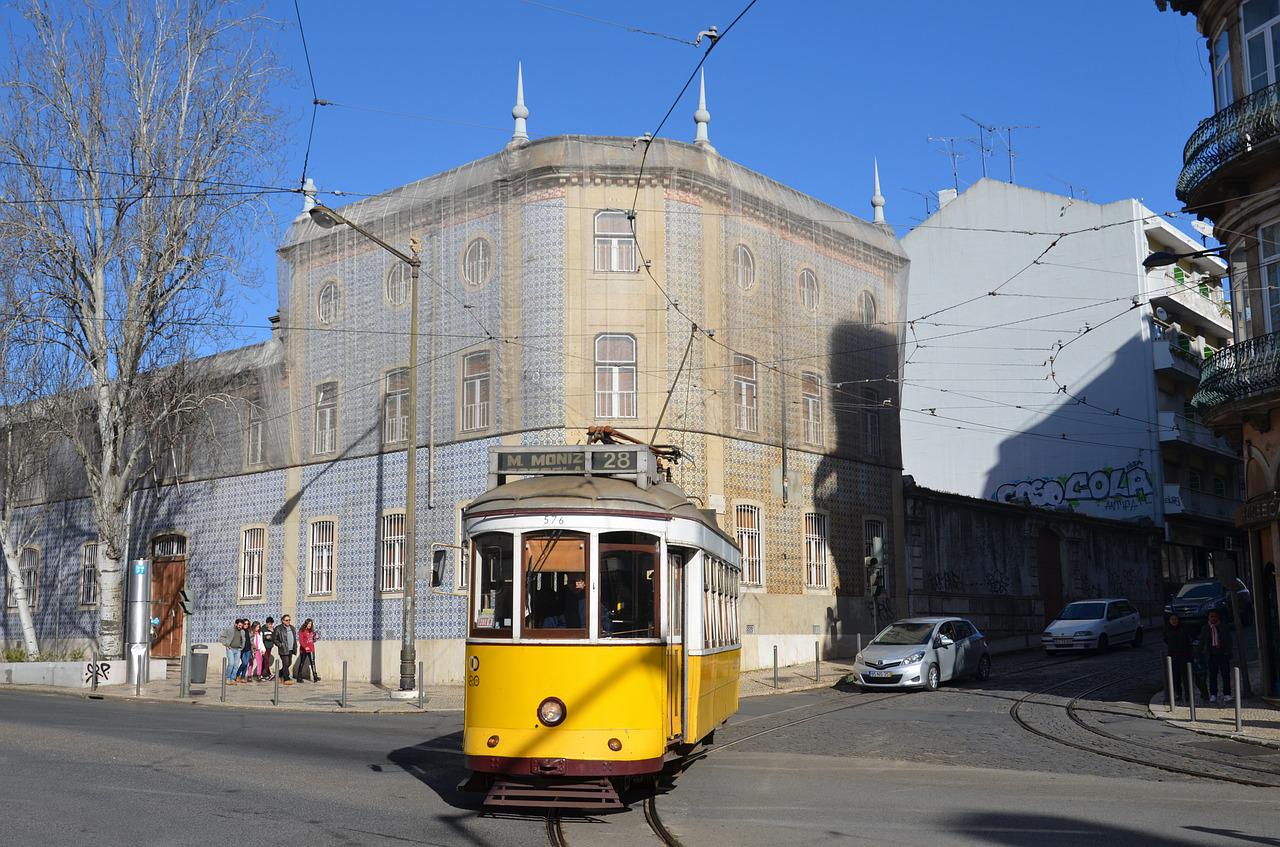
{"type": "Point", "coordinates": [1226, 136]}
{"type": "Point", "coordinates": [1239, 378]}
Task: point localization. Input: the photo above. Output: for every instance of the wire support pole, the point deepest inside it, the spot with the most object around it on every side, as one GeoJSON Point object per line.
{"type": "Point", "coordinates": [408, 612]}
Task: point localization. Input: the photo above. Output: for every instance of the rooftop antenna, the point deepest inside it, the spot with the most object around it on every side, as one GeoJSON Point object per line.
{"type": "Point", "coordinates": [929, 196]}
{"type": "Point", "coordinates": [985, 148]}
{"type": "Point", "coordinates": [1071, 187]}
{"type": "Point", "coordinates": [949, 141]}
{"type": "Point", "coordinates": [1008, 141]}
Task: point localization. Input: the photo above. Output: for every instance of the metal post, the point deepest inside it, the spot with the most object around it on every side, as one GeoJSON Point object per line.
{"type": "Point", "coordinates": [408, 612]}
{"type": "Point", "coordinates": [817, 662]}
{"type": "Point", "coordinates": [1168, 682]}
{"type": "Point", "coordinates": [137, 676]}
{"type": "Point", "coordinates": [223, 695]}
{"type": "Point", "coordinates": [1235, 687]}
{"type": "Point", "coordinates": [343, 704]}
{"type": "Point", "coordinates": [859, 643]}
{"type": "Point", "coordinates": [1191, 692]}
{"type": "Point", "coordinates": [1238, 640]}
{"type": "Point", "coordinates": [275, 689]}
{"type": "Point", "coordinates": [93, 663]}
{"type": "Point", "coordinates": [775, 666]}
{"type": "Point", "coordinates": [420, 690]}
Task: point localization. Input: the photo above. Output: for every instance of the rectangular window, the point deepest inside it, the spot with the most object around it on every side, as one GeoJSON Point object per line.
{"type": "Point", "coordinates": [556, 586]}
{"type": "Point", "coordinates": [395, 406]}
{"type": "Point", "coordinates": [320, 568]}
{"type": "Point", "coordinates": [1221, 59]}
{"type": "Point", "coordinates": [871, 421]}
{"type": "Point", "coordinates": [1261, 26]}
{"type": "Point", "coordinates": [89, 574]}
{"type": "Point", "coordinates": [475, 391]}
{"type": "Point", "coordinates": [745, 413]}
{"type": "Point", "coordinates": [1219, 487]}
{"type": "Point", "coordinates": [493, 557]}
{"type": "Point", "coordinates": [811, 406]}
{"type": "Point", "coordinates": [747, 523]}
{"type": "Point", "coordinates": [461, 576]}
{"type": "Point", "coordinates": [29, 566]}
{"type": "Point", "coordinates": [252, 546]}
{"type": "Point", "coordinates": [1193, 479]}
{"type": "Point", "coordinates": [391, 553]}
{"type": "Point", "coordinates": [326, 436]}
{"type": "Point", "coordinates": [615, 376]}
{"type": "Point", "coordinates": [253, 453]}
{"type": "Point", "coordinates": [815, 549]}
{"type": "Point", "coordinates": [873, 528]}
{"type": "Point", "coordinates": [615, 242]}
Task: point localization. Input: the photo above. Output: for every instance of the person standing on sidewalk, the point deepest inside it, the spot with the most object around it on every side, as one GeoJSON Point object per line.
{"type": "Point", "coordinates": [267, 645]}
{"type": "Point", "coordinates": [233, 640]}
{"type": "Point", "coordinates": [257, 649]}
{"type": "Point", "coordinates": [307, 651]}
{"type": "Point", "coordinates": [1178, 644]}
{"type": "Point", "coordinates": [1215, 642]}
{"type": "Point", "coordinates": [285, 637]}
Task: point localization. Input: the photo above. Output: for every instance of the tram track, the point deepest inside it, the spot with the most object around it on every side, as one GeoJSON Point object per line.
{"type": "Point", "coordinates": [556, 835]}
{"type": "Point", "coordinates": [1207, 768]}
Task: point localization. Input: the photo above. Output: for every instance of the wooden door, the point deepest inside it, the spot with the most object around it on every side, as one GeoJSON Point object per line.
{"type": "Point", "coordinates": [1049, 559]}
{"type": "Point", "coordinates": [167, 578]}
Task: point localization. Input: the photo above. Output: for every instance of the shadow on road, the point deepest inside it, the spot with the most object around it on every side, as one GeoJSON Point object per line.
{"type": "Point", "coordinates": [434, 765]}
{"type": "Point", "coordinates": [1018, 829]}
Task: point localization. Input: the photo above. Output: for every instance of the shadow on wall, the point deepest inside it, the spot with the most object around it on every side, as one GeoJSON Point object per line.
{"type": "Point", "coordinates": [861, 371]}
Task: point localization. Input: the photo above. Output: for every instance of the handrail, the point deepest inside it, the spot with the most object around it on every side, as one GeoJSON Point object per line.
{"type": "Point", "coordinates": [1243, 370]}
{"type": "Point", "coordinates": [1234, 130]}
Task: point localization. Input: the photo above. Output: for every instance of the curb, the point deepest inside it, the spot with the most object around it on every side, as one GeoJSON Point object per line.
{"type": "Point", "coordinates": [83, 694]}
{"type": "Point", "coordinates": [1213, 733]}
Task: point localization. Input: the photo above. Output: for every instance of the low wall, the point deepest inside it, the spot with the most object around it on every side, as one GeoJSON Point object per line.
{"type": "Point", "coordinates": [73, 674]}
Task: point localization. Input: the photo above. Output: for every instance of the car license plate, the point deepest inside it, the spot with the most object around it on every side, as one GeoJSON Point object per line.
{"type": "Point", "coordinates": [880, 674]}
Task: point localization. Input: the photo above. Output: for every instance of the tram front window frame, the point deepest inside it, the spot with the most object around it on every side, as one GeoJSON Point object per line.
{"type": "Point", "coordinates": [489, 588]}
{"type": "Point", "coordinates": [555, 604]}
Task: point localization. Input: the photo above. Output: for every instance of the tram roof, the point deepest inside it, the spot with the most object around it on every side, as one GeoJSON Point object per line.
{"type": "Point", "coordinates": [595, 493]}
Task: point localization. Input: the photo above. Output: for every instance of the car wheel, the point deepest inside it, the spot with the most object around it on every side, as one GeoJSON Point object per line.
{"type": "Point", "coordinates": [932, 679]}
{"type": "Point", "coordinates": [1137, 637]}
{"type": "Point", "coordinates": [984, 669]}
{"type": "Point", "coordinates": [1103, 644]}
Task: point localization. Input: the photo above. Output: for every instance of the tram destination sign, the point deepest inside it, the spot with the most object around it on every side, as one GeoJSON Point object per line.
{"type": "Point", "coordinates": [603, 460]}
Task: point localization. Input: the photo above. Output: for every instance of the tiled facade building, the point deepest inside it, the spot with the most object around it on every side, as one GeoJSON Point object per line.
{"type": "Point", "coordinates": [545, 308]}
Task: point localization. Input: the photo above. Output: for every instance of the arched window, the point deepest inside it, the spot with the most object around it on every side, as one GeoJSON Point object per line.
{"type": "Point", "coordinates": [477, 261]}
{"type": "Point", "coordinates": [867, 308]}
{"type": "Point", "coordinates": [397, 285]}
{"type": "Point", "coordinates": [615, 376]}
{"type": "Point", "coordinates": [808, 284]}
{"type": "Point", "coordinates": [327, 303]}
{"type": "Point", "coordinates": [615, 242]}
{"type": "Point", "coordinates": [744, 267]}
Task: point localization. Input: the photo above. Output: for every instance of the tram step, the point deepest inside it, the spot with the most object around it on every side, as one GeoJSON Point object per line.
{"type": "Point", "coordinates": [591, 794]}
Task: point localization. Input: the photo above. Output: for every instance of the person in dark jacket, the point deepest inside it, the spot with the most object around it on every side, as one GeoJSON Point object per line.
{"type": "Point", "coordinates": [285, 637]}
{"type": "Point", "coordinates": [267, 628]}
{"type": "Point", "coordinates": [1215, 643]}
{"type": "Point", "coordinates": [1179, 645]}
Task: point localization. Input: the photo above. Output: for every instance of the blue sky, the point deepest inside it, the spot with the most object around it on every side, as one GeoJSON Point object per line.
{"type": "Point", "coordinates": [805, 92]}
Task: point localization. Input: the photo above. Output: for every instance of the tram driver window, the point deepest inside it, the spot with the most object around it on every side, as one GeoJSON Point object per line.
{"type": "Point", "coordinates": [495, 567]}
{"type": "Point", "coordinates": [556, 585]}
{"type": "Point", "coordinates": [628, 584]}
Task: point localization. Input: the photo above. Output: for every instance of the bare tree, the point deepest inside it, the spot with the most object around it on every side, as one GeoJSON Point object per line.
{"type": "Point", "coordinates": [133, 135]}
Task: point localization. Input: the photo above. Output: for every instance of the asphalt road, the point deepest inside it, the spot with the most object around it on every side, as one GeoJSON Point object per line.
{"type": "Point", "coordinates": [825, 767]}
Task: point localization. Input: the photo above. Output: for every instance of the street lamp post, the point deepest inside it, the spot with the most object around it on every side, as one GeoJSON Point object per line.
{"type": "Point", "coordinates": [327, 218]}
{"type": "Point", "coordinates": [1161, 258]}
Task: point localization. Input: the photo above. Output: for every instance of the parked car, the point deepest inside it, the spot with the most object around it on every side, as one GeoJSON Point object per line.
{"type": "Point", "coordinates": [923, 653]}
{"type": "Point", "coordinates": [1197, 598]}
{"type": "Point", "coordinates": [1093, 625]}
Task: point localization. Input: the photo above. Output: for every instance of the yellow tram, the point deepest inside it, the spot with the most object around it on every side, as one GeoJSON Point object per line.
{"type": "Point", "coordinates": [603, 633]}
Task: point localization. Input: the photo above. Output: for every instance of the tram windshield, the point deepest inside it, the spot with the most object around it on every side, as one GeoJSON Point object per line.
{"type": "Point", "coordinates": [628, 584]}
{"type": "Point", "coordinates": [556, 584]}
{"type": "Point", "coordinates": [495, 569]}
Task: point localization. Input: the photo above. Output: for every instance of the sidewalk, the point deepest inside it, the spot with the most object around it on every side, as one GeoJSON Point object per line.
{"type": "Point", "coordinates": [758, 683]}
{"type": "Point", "coordinates": [1260, 719]}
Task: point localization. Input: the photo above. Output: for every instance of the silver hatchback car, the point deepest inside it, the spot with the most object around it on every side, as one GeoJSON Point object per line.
{"type": "Point", "coordinates": [923, 653]}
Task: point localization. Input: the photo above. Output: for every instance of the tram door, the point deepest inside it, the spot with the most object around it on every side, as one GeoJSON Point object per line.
{"type": "Point", "coordinates": [675, 643]}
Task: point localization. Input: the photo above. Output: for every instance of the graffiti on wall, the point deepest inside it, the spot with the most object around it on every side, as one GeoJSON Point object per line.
{"type": "Point", "coordinates": [1126, 489]}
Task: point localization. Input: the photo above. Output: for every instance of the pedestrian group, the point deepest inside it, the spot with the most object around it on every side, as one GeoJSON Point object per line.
{"type": "Point", "coordinates": [1209, 656]}
{"type": "Point", "coordinates": [250, 644]}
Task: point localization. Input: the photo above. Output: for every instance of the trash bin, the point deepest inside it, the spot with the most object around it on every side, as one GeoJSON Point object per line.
{"type": "Point", "coordinates": [199, 663]}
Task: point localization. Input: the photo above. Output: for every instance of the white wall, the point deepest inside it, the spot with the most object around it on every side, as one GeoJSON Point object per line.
{"type": "Point", "coordinates": [984, 366]}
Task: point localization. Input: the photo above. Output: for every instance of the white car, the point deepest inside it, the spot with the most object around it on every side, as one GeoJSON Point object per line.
{"type": "Point", "coordinates": [1093, 625]}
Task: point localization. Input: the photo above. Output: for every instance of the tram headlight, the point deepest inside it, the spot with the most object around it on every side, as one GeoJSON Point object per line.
{"type": "Point", "coordinates": [615, 745]}
{"type": "Point", "coordinates": [551, 711]}
{"type": "Point", "coordinates": [493, 741]}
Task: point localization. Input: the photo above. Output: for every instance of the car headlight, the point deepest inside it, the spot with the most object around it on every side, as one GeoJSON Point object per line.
{"type": "Point", "coordinates": [551, 711]}
{"type": "Point", "coordinates": [857, 660]}
{"type": "Point", "coordinates": [914, 658]}
{"type": "Point", "coordinates": [1084, 633]}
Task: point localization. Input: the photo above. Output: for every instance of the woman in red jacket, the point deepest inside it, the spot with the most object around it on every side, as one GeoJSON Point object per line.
{"type": "Point", "coordinates": [307, 651]}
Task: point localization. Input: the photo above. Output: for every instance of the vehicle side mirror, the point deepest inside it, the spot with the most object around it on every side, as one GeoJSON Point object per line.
{"type": "Point", "coordinates": [943, 641]}
{"type": "Point", "coordinates": [438, 559]}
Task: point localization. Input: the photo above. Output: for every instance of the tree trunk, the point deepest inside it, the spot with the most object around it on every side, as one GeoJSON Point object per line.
{"type": "Point", "coordinates": [110, 605]}
{"type": "Point", "coordinates": [18, 590]}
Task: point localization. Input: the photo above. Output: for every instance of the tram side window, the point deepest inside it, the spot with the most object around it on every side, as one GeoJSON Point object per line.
{"type": "Point", "coordinates": [556, 584]}
{"type": "Point", "coordinates": [628, 585]}
{"type": "Point", "coordinates": [495, 567]}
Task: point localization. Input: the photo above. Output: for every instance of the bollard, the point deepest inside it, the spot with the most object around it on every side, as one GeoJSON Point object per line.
{"type": "Point", "coordinates": [775, 666]}
{"type": "Point", "coordinates": [1168, 681]}
{"type": "Point", "coordinates": [1235, 699]}
{"type": "Point", "coordinates": [184, 686]}
{"type": "Point", "coordinates": [1191, 692]}
{"type": "Point", "coordinates": [137, 678]}
{"type": "Point", "coordinates": [859, 643]}
{"type": "Point", "coordinates": [275, 690]}
{"type": "Point", "coordinates": [93, 663]}
{"type": "Point", "coordinates": [223, 695]}
{"type": "Point", "coordinates": [420, 666]}
{"type": "Point", "coordinates": [817, 662]}
{"type": "Point", "coordinates": [343, 704]}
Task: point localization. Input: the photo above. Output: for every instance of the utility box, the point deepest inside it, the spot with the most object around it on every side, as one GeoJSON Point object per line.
{"type": "Point", "coordinates": [198, 662]}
